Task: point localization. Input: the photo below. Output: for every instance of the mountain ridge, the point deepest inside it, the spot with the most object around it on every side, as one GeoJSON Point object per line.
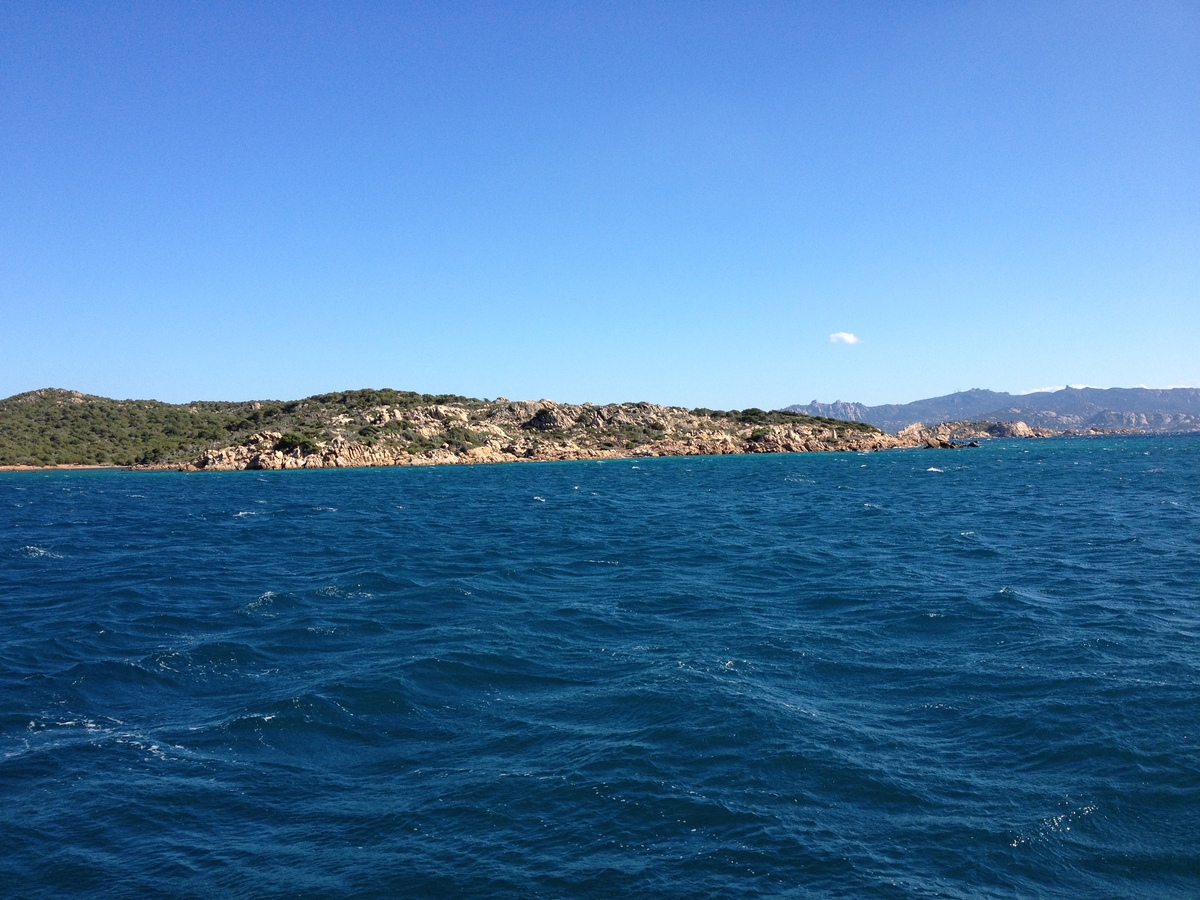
{"type": "Point", "coordinates": [1151, 410]}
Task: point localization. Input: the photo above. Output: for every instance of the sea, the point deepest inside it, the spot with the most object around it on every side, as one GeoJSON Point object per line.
{"type": "Point", "coordinates": [967, 674]}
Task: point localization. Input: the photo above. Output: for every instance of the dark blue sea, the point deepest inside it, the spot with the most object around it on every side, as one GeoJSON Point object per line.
{"type": "Point", "coordinates": [969, 673]}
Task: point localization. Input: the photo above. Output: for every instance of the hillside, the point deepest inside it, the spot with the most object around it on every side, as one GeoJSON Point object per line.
{"type": "Point", "coordinates": [1078, 409]}
{"type": "Point", "coordinates": [388, 427]}
{"type": "Point", "coordinates": [57, 427]}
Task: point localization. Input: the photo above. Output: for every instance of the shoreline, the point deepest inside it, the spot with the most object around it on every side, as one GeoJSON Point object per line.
{"type": "Point", "coordinates": [375, 428]}
{"type": "Point", "coordinates": [64, 466]}
{"type": "Point", "coordinates": [248, 457]}
{"type": "Point", "coordinates": [467, 459]}
{"type": "Point", "coordinates": [424, 463]}
{"type": "Point", "coordinates": [384, 428]}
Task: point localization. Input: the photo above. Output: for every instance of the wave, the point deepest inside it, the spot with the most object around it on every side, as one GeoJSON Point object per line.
{"type": "Point", "coordinates": [753, 676]}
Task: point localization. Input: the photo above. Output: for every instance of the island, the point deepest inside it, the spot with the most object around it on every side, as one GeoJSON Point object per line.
{"type": "Point", "coordinates": [54, 427]}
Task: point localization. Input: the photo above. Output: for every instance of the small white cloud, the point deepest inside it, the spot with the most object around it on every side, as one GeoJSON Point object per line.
{"type": "Point", "coordinates": [843, 337]}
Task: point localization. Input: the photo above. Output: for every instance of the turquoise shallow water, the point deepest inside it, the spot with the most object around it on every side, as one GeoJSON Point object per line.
{"type": "Point", "coordinates": [902, 674]}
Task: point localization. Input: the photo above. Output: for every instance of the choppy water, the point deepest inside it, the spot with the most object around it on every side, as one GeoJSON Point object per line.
{"type": "Point", "coordinates": [904, 674]}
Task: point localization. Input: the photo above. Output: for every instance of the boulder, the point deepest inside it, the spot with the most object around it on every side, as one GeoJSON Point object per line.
{"type": "Point", "coordinates": [550, 418]}
{"type": "Point", "coordinates": [1012, 429]}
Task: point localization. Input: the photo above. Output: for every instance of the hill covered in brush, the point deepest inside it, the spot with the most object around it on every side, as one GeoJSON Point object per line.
{"type": "Point", "coordinates": [388, 427]}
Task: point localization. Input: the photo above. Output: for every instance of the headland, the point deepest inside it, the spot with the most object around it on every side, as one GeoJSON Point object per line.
{"type": "Point", "coordinates": [56, 428]}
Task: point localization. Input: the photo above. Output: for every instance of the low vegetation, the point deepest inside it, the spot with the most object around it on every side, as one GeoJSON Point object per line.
{"type": "Point", "coordinates": [55, 427]}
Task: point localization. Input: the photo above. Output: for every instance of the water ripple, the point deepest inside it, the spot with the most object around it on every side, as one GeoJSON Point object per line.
{"type": "Point", "coordinates": [904, 674]}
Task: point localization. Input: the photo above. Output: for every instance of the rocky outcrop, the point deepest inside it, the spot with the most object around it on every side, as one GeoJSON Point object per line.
{"type": "Point", "coordinates": [1016, 430]}
{"type": "Point", "coordinates": [261, 451]}
{"type": "Point", "coordinates": [550, 418]}
{"type": "Point", "coordinates": [955, 435]}
{"type": "Point", "coordinates": [542, 430]}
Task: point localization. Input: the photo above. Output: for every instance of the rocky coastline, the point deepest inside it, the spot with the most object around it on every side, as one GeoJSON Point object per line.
{"type": "Point", "coordinates": [55, 428]}
{"type": "Point", "coordinates": [544, 431]}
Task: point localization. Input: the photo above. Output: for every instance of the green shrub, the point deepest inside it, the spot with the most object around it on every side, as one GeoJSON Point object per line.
{"type": "Point", "coordinates": [293, 440]}
{"type": "Point", "coordinates": [460, 438]}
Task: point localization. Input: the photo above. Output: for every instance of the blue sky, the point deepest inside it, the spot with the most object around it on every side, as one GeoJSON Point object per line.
{"type": "Point", "coordinates": [672, 202]}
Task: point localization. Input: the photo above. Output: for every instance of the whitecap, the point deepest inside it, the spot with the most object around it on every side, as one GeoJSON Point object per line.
{"type": "Point", "coordinates": [934, 469]}
{"type": "Point", "coordinates": [264, 599]}
{"type": "Point", "coordinates": [243, 514]}
{"type": "Point", "coordinates": [33, 552]}
{"type": "Point", "coordinates": [540, 499]}
{"type": "Point", "coordinates": [1057, 824]}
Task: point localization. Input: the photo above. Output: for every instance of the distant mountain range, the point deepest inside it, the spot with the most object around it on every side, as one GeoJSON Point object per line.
{"type": "Point", "coordinates": [1078, 409]}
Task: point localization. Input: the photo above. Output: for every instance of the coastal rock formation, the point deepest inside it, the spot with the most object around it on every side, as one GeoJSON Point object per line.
{"type": "Point", "coordinates": [951, 435]}
{"type": "Point", "coordinates": [542, 430]}
{"type": "Point", "coordinates": [389, 428]}
{"type": "Point", "coordinates": [262, 451]}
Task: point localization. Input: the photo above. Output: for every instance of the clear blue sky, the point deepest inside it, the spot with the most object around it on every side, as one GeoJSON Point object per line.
{"type": "Point", "coordinates": [675, 202]}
